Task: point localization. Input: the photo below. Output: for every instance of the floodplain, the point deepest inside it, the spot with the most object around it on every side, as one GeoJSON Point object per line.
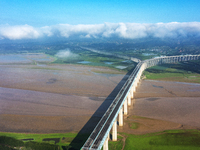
{"type": "Point", "coordinates": [42, 97]}
{"type": "Point", "coordinates": [62, 98]}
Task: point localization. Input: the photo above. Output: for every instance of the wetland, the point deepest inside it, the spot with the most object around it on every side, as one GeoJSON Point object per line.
{"type": "Point", "coordinates": [42, 96]}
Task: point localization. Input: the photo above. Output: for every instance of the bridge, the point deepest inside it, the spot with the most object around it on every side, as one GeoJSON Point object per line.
{"type": "Point", "coordinates": [101, 133]}
{"type": "Point", "coordinates": [111, 54]}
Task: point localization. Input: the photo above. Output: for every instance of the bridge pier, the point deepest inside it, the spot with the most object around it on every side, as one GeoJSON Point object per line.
{"type": "Point", "coordinates": [125, 107]}
{"type": "Point", "coordinates": [134, 87]}
{"type": "Point", "coordinates": [114, 131]}
{"type": "Point", "coordinates": [129, 99]}
{"type": "Point", "coordinates": [121, 117]}
{"type": "Point", "coordinates": [132, 91]}
{"type": "Point", "coordinates": [105, 145]}
{"type": "Point", "coordinates": [93, 141]}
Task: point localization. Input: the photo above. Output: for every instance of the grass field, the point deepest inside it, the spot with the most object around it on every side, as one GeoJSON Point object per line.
{"type": "Point", "coordinates": [171, 139]}
{"type": "Point", "coordinates": [62, 140]}
{"type": "Point", "coordinates": [181, 72]}
{"type": "Point", "coordinates": [174, 139]}
{"type": "Point", "coordinates": [117, 145]}
{"type": "Point", "coordinates": [95, 59]}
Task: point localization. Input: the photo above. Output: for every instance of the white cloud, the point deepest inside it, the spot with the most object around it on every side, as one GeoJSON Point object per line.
{"type": "Point", "coordinates": [66, 54]}
{"type": "Point", "coordinates": [174, 29]}
{"type": "Point", "coordinates": [120, 30]}
{"type": "Point", "coordinates": [19, 32]}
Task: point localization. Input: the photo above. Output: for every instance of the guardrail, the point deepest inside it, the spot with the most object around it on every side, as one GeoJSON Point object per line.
{"type": "Point", "coordinates": [100, 134]}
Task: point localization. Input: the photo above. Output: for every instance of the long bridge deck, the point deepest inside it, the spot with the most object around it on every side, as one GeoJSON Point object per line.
{"type": "Point", "coordinates": [102, 130]}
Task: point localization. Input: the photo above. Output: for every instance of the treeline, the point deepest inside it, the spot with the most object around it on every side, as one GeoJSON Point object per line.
{"type": "Point", "coordinates": [9, 143]}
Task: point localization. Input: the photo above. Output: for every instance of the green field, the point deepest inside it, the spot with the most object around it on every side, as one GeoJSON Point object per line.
{"type": "Point", "coordinates": [86, 57]}
{"type": "Point", "coordinates": [41, 141]}
{"type": "Point", "coordinates": [172, 139]}
{"type": "Point", "coordinates": [181, 72]}
{"type": "Point", "coordinates": [116, 145]}
{"type": "Point", "coordinates": [169, 139]}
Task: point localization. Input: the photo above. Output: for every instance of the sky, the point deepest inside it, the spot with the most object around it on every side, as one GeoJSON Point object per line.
{"type": "Point", "coordinates": [39, 18]}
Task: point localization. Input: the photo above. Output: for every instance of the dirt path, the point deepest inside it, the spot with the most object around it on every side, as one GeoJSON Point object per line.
{"type": "Point", "coordinates": [124, 140]}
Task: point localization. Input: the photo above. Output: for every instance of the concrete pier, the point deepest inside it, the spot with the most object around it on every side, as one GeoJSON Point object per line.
{"type": "Point", "coordinates": [134, 86]}
{"type": "Point", "coordinates": [125, 107]}
{"type": "Point", "coordinates": [129, 99]}
{"type": "Point", "coordinates": [105, 145]}
{"type": "Point", "coordinates": [132, 91]}
{"type": "Point", "coordinates": [121, 117]}
{"type": "Point", "coordinates": [114, 131]}
{"type": "Point", "coordinates": [123, 100]}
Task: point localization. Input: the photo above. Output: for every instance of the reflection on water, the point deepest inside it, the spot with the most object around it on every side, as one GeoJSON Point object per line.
{"type": "Point", "coordinates": [84, 62]}
{"type": "Point", "coordinates": [41, 65]}
{"type": "Point", "coordinates": [41, 59]}
{"type": "Point", "coordinates": [157, 86]}
{"type": "Point", "coordinates": [148, 54]}
{"type": "Point", "coordinates": [196, 84]}
{"type": "Point", "coordinates": [121, 67]}
{"type": "Point", "coordinates": [108, 63]}
{"type": "Point", "coordinates": [24, 58]}
{"type": "Point", "coordinates": [107, 75]}
{"type": "Point", "coordinates": [13, 58]}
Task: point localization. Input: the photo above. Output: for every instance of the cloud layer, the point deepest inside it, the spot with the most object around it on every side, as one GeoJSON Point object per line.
{"type": "Point", "coordinates": [66, 54]}
{"type": "Point", "coordinates": [106, 30]}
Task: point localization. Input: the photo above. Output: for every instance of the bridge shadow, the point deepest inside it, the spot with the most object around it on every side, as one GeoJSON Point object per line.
{"type": "Point", "coordinates": [84, 133]}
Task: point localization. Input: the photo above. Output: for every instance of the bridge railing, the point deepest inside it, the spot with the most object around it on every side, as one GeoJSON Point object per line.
{"type": "Point", "coordinates": [170, 59]}
{"type": "Point", "coordinates": [118, 101]}
{"type": "Point", "coordinates": [101, 131]}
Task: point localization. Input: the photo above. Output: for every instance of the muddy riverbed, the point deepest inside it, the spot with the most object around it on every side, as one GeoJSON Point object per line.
{"type": "Point", "coordinates": [54, 98]}
{"type": "Point", "coordinates": [63, 98]}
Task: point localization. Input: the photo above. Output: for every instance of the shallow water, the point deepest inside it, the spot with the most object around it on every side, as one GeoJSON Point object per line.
{"type": "Point", "coordinates": [121, 67]}
{"type": "Point", "coordinates": [84, 62]}
{"type": "Point", "coordinates": [24, 58]}
{"type": "Point", "coordinates": [148, 54]}
{"type": "Point", "coordinates": [108, 63]}
{"type": "Point", "coordinates": [13, 59]}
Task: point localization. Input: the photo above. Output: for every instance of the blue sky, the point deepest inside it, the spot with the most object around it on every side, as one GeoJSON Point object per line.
{"type": "Point", "coordinates": [32, 19]}
{"type": "Point", "coordinates": [39, 13]}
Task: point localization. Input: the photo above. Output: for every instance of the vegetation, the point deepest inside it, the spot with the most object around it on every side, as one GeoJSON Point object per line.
{"type": "Point", "coordinates": [116, 145]}
{"type": "Point", "coordinates": [172, 139]}
{"type": "Point", "coordinates": [142, 49]}
{"type": "Point", "coordinates": [41, 141]}
{"type": "Point", "coordinates": [86, 57]}
{"type": "Point", "coordinates": [149, 47]}
{"type": "Point", "coordinates": [134, 125]}
{"type": "Point", "coordinates": [182, 72]}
